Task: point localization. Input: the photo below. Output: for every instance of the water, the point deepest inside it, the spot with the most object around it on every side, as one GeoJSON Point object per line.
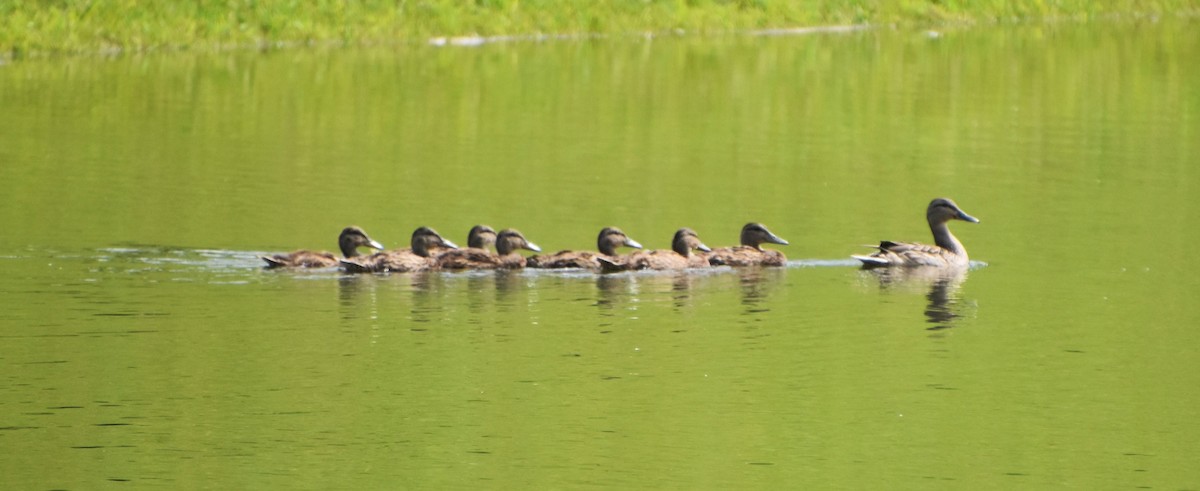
{"type": "Point", "coordinates": [144, 346]}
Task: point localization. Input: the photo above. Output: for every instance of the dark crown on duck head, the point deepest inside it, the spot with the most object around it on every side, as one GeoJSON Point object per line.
{"type": "Point", "coordinates": [424, 237]}
{"type": "Point", "coordinates": [611, 238]}
{"type": "Point", "coordinates": [755, 234]}
{"type": "Point", "coordinates": [352, 238]}
{"type": "Point", "coordinates": [481, 236]}
{"type": "Point", "coordinates": [685, 240]}
{"type": "Point", "coordinates": [510, 240]}
{"type": "Point", "coordinates": [942, 210]}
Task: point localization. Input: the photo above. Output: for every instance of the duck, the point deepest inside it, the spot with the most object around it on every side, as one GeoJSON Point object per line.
{"type": "Point", "coordinates": [508, 241]}
{"type": "Point", "coordinates": [479, 239]}
{"type": "Point", "coordinates": [349, 241]}
{"type": "Point", "coordinates": [607, 243]}
{"type": "Point", "coordinates": [678, 257]}
{"type": "Point", "coordinates": [947, 251]}
{"type": "Point", "coordinates": [750, 253]}
{"type": "Point", "coordinates": [425, 244]}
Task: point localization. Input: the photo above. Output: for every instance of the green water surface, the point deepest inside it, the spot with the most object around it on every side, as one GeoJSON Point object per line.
{"type": "Point", "coordinates": [143, 346]}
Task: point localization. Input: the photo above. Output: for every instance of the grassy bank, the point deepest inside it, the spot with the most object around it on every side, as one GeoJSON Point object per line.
{"type": "Point", "coordinates": [36, 27]}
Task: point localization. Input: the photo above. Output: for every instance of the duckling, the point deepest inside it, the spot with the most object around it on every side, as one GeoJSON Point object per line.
{"type": "Point", "coordinates": [947, 251]}
{"type": "Point", "coordinates": [679, 257]}
{"type": "Point", "coordinates": [425, 241]}
{"type": "Point", "coordinates": [349, 241]}
{"type": "Point", "coordinates": [506, 257]}
{"type": "Point", "coordinates": [750, 253]}
{"type": "Point", "coordinates": [479, 239]}
{"type": "Point", "coordinates": [607, 243]}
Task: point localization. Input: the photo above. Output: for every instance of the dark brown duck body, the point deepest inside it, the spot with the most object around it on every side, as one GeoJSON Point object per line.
{"type": "Point", "coordinates": [750, 252]}
{"type": "Point", "coordinates": [425, 243]}
{"type": "Point", "coordinates": [607, 243]}
{"type": "Point", "coordinates": [349, 241]}
{"type": "Point", "coordinates": [508, 242]}
{"type": "Point", "coordinates": [947, 251]}
{"type": "Point", "coordinates": [680, 255]}
{"type": "Point", "coordinates": [479, 239]}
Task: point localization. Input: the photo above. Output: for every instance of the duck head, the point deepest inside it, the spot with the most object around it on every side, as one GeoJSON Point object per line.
{"type": "Point", "coordinates": [685, 240]}
{"type": "Point", "coordinates": [481, 237]}
{"type": "Point", "coordinates": [942, 210]}
{"type": "Point", "coordinates": [352, 238]}
{"type": "Point", "coordinates": [510, 240]}
{"type": "Point", "coordinates": [755, 234]}
{"type": "Point", "coordinates": [611, 238]}
{"type": "Point", "coordinates": [424, 239]}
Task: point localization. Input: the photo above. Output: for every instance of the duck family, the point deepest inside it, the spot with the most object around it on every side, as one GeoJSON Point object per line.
{"type": "Point", "coordinates": [429, 251]}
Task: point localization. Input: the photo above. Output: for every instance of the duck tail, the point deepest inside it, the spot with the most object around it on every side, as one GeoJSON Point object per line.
{"type": "Point", "coordinates": [871, 261]}
{"type": "Point", "coordinates": [273, 262]}
{"type": "Point", "coordinates": [353, 267]}
{"type": "Point", "coordinates": [608, 265]}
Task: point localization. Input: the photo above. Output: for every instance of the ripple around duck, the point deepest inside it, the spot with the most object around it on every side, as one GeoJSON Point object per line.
{"type": "Point", "coordinates": [159, 258]}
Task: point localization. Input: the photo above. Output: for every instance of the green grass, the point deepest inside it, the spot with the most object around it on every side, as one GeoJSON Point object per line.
{"type": "Point", "coordinates": [35, 27]}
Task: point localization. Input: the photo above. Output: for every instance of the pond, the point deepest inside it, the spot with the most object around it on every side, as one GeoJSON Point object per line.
{"type": "Point", "coordinates": [144, 344]}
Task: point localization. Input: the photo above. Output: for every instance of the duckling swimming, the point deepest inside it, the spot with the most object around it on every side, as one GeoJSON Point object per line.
{"type": "Point", "coordinates": [947, 251]}
{"type": "Point", "coordinates": [425, 242]}
{"type": "Point", "coordinates": [607, 243]}
{"type": "Point", "coordinates": [750, 253]}
{"type": "Point", "coordinates": [349, 241]}
{"type": "Point", "coordinates": [679, 257]}
{"type": "Point", "coordinates": [479, 239]}
{"type": "Point", "coordinates": [506, 257]}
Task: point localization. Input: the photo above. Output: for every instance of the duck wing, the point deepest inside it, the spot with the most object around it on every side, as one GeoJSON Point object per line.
{"type": "Point", "coordinates": [469, 258]}
{"type": "Point", "coordinates": [906, 254]}
{"type": "Point", "coordinates": [301, 259]}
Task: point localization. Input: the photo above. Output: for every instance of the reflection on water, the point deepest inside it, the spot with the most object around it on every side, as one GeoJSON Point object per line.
{"type": "Point", "coordinates": [941, 286]}
{"type": "Point", "coordinates": [616, 291]}
{"type": "Point", "coordinates": [756, 284]}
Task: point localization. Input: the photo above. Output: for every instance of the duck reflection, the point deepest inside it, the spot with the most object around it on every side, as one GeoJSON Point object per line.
{"type": "Point", "coordinates": [756, 284]}
{"type": "Point", "coordinates": [681, 289]}
{"type": "Point", "coordinates": [943, 285]}
{"type": "Point", "coordinates": [352, 289]}
{"type": "Point", "coordinates": [613, 290]}
{"type": "Point", "coordinates": [426, 304]}
{"type": "Point", "coordinates": [510, 285]}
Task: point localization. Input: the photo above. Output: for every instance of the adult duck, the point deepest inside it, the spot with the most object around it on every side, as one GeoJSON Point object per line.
{"type": "Point", "coordinates": [349, 241]}
{"type": "Point", "coordinates": [508, 242]}
{"type": "Point", "coordinates": [947, 251]}
{"type": "Point", "coordinates": [425, 243]}
{"type": "Point", "coordinates": [607, 243]}
{"type": "Point", "coordinates": [750, 253]}
{"type": "Point", "coordinates": [678, 257]}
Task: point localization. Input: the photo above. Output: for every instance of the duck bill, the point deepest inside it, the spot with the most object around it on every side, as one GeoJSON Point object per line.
{"type": "Point", "coordinates": [966, 218]}
{"type": "Point", "coordinates": [632, 243]}
{"type": "Point", "coordinates": [375, 245]}
{"type": "Point", "coordinates": [533, 247]}
{"type": "Point", "coordinates": [446, 243]}
{"type": "Point", "coordinates": [703, 248]}
{"type": "Point", "coordinates": [775, 239]}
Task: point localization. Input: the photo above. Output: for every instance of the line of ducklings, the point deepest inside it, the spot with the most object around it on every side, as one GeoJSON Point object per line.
{"type": "Point", "coordinates": [430, 251]}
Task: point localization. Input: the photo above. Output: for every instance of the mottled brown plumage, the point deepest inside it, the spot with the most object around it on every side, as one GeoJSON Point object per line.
{"type": "Point", "coordinates": [607, 243]}
{"type": "Point", "coordinates": [349, 241]}
{"type": "Point", "coordinates": [750, 253]}
{"type": "Point", "coordinates": [425, 242]}
{"type": "Point", "coordinates": [506, 257]}
{"type": "Point", "coordinates": [947, 251]}
{"type": "Point", "coordinates": [679, 257]}
{"type": "Point", "coordinates": [479, 239]}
